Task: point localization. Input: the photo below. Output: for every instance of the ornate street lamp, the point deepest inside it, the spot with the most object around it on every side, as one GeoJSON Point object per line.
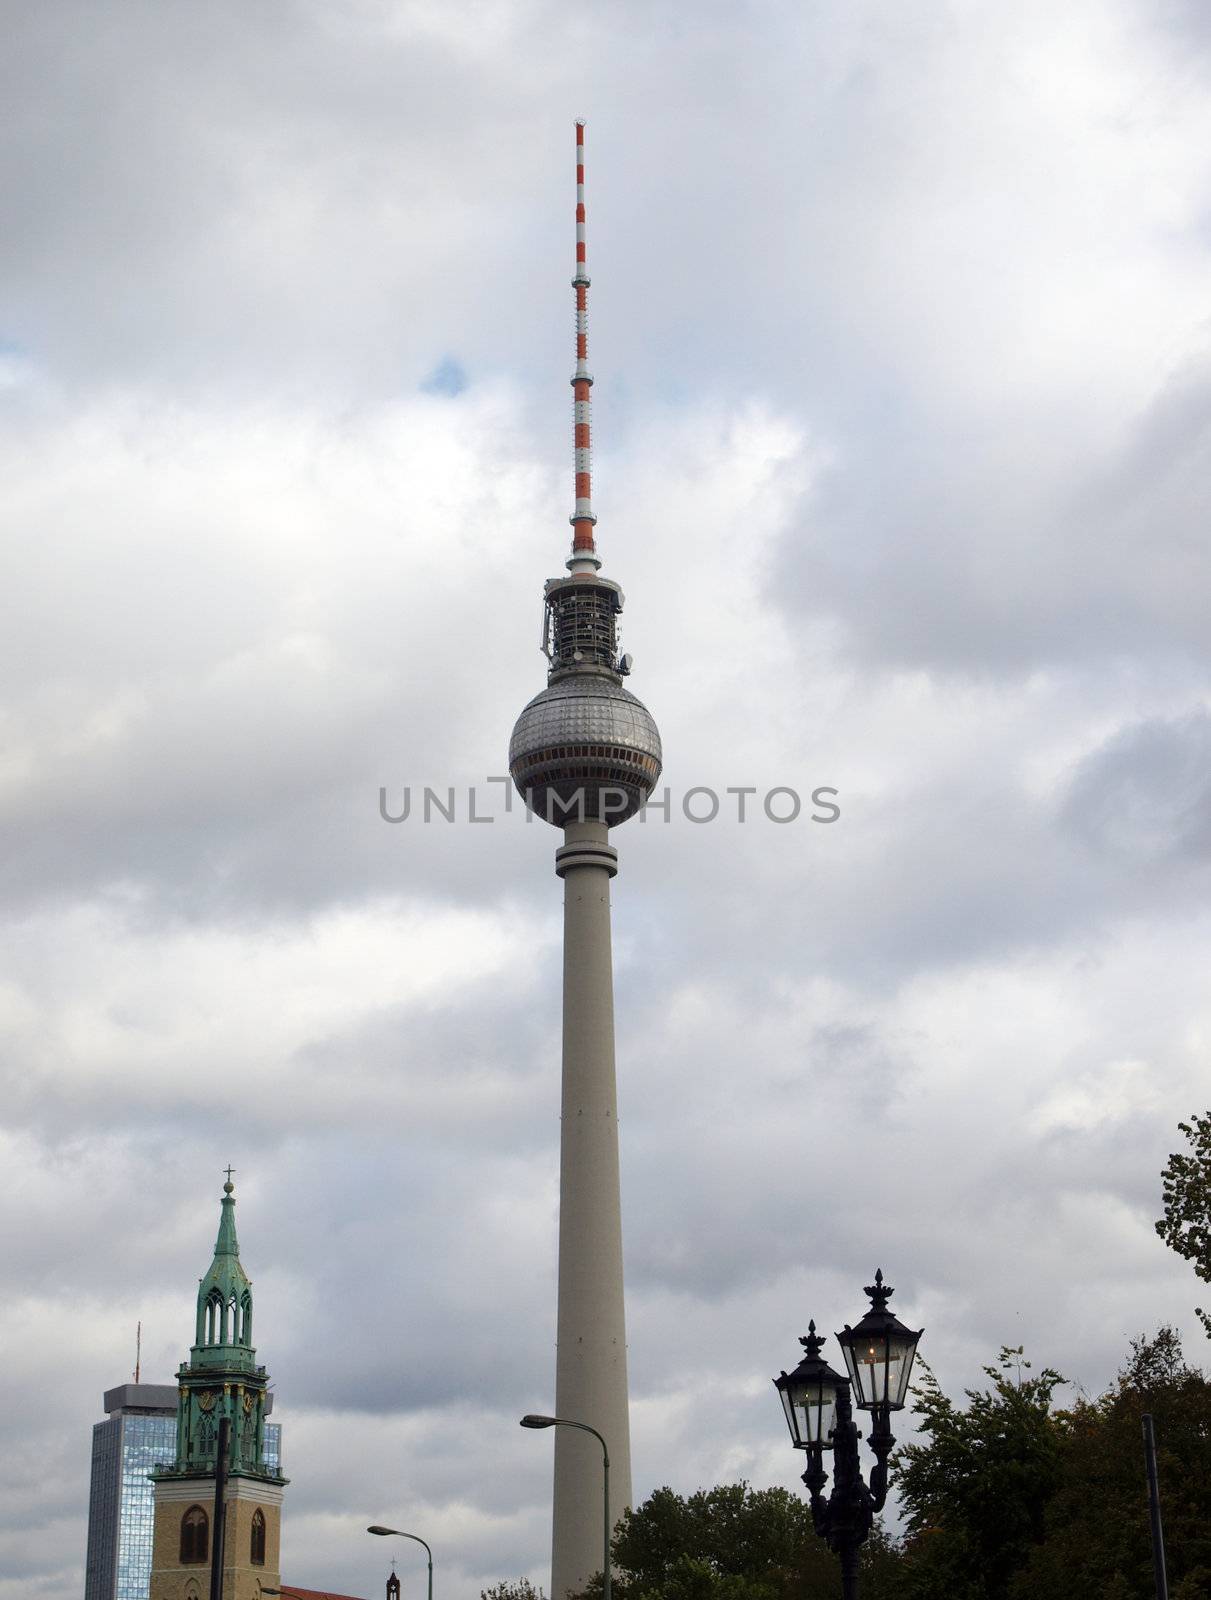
{"type": "Point", "coordinates": [809, 1396]}
{"type": "Point", "coordinates": [879, 1354]}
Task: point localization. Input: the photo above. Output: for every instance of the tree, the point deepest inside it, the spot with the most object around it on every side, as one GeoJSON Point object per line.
{"type": "Point", "coordinates": [975, 1491]}
{"type": "Point", "coordinates": [512, 1589]}
{"type": "Point", "coordinates": [1186, 1224]}
{"type": "Point", "coordinates": [731, 1542]}
{"type": "Point", "coordinates": [732, 1531]}
{"type": "Point", "coordinates": [1097, 1544]}
{"type": "Point", "coordinates": [1005, 1496]}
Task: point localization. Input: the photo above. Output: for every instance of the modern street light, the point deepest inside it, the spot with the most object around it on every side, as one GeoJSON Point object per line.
{"type": "Point", "coordinates": [398, 1533]}
{"type": "Point", "coordinates": [533, 1421]}
{"type": "Point", "coordinates": [879, 1354]}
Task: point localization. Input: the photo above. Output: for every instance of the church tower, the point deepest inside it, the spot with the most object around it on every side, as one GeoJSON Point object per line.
{"type": "Point", "coordinates": [212, 1504]}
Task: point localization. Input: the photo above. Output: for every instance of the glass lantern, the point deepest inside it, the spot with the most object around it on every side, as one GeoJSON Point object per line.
{"type": "Point", "coordinates": [879, 1353]}
{"type": "Point", "coordinates": [809, 1397]}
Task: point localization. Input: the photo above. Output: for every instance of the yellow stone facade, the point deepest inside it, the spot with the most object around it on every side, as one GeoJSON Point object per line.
{"type": "Point", "coordinates": [170, 1580]}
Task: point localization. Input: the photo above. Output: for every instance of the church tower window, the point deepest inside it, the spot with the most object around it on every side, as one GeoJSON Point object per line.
{"type": "Point", "coordinates": [195, 1537]}
{"type": "Point", "coordinates": [257, 1550]}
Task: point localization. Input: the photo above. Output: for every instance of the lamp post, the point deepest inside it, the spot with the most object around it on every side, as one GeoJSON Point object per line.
{"type": "Point", "coordinates": [398, 1533]}
{"type": "Point", "coordinates": [879, 1354]}
{"type": "Point", "coordinates": [533, 1421]}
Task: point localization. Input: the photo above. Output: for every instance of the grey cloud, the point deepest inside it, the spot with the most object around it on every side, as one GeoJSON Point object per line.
{"type": "Point", "coordinates": [903, 502]}
{"type": "Point", "coordinates": [1143, 798]}
{"type": "Point", "coordinates": [929, 570]}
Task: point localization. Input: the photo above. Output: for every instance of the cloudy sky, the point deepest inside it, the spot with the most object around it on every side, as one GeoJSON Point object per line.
{"type": "Point", "coordinates": [901, 323]}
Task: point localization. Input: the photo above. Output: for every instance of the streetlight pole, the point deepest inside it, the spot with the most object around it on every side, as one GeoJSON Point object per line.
{"type": "Point", "coordinates": [219, 1535]}
{"type": "Point", "coordinates": [533, 1421]}
{"type": "Point", "coordinates": [879, 1354]}
{"type": "Point", "coordinates": [1154, 1510]}
{"type": "Point", "coordinates": [398, 1533]}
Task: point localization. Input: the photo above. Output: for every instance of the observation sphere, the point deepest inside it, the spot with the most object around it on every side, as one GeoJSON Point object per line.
{"type": "Point", "coordinates": [585, 749]}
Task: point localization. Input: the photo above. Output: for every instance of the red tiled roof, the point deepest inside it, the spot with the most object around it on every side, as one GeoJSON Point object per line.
{"type": "Point", "coordinates": [290, 1591]}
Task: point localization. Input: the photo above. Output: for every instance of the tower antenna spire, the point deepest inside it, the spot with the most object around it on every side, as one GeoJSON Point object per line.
{"type": "Point", "coordinates": [584, 547]}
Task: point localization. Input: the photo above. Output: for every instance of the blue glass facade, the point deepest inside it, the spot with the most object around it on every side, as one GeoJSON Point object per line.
{"type": "Point", "coordinates": [139, 1433]}
{"type": "Point", "coordinates": [121, 1502]}
{"type": "Point", "coordinates": [146, 1442]}
{"type": "Point", "coordinates": [104, 1494]}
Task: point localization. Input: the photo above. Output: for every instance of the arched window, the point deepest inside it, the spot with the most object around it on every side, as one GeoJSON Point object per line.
{"type": "Point", "coordinates": [246, 1318]}
{"type": "Point", "coordinates": [216, 1319]}
{"type": "Point", "coordinates": [195, 1537]}
{"type": "Point", "coordinates": [257, 1552]}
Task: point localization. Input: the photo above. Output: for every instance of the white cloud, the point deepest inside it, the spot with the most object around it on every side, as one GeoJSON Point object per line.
{"type": "Point", "coordinates": [899, 330]}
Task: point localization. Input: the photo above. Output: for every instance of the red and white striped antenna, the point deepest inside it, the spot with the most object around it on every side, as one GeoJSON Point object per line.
{"type": "Point", "coordinates": [584, 547]}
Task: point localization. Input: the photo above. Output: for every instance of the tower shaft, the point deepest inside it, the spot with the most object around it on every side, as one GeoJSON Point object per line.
{"type": "Point", "coordinates": [591, 1360]}
{"type": "Point", "coordinates": [586, 754]}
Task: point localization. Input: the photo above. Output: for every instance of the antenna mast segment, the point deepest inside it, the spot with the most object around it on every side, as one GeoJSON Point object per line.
{"type": "Point", "coordinates": [584, 548]}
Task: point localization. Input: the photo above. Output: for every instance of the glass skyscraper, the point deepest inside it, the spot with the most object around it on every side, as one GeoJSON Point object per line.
{"type": "Point", "coordinates": [139, 1433]}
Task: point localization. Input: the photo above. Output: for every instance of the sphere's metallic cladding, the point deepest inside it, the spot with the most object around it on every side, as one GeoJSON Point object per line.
{"type": "Point", "coordinates": [585, 749]}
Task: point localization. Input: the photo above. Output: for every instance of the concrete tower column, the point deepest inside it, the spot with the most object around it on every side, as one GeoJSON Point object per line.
{"type": "Point", "coordinates": [586, 747]}
{"type": "Point", "coordinates": [591, 1360]}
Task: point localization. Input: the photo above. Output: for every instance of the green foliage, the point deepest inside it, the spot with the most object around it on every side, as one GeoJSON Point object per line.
{"type": "Point", "coordinates": [733, 1531]}
{"type": "Point", "coordinates": [1097, 1544]}
{"type": "Point", "coordinates": [512, 1589]}
{"type": "Point", "coordinates": [1011, 1499]}
{"type": "Point", "coordinates": [1186, 1187]}
{"type": "Point", "coordinates": [1005, 1497]}
{"type": "Point", "coordinates": [731, 1543]}
{"type": "Point", "coordinates": [975, 1490]}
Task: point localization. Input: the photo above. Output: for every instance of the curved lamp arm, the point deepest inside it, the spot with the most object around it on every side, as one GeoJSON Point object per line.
{"type": "Point", "coordinates": [398, 1533]}
{"type": "Point", "coordinates": [530, 1420]}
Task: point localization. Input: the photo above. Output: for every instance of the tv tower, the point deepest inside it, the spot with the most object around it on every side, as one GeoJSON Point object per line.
{"type": "Point", "coordinates": [585, 754]}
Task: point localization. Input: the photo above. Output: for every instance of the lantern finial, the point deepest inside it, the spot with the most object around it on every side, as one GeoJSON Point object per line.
{"type": "Point", "coordinates": [811, 1341]}
{"type": "Point", "coordinates": [879, 1296]}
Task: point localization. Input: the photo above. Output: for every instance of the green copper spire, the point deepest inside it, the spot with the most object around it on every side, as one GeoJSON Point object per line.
{"type": "Point", "coordinates": [224, 1328]}
{"type": "Point", "coordinates": [221, 1378]}
{"type": "Point", "coordinates": [227, 1244]}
